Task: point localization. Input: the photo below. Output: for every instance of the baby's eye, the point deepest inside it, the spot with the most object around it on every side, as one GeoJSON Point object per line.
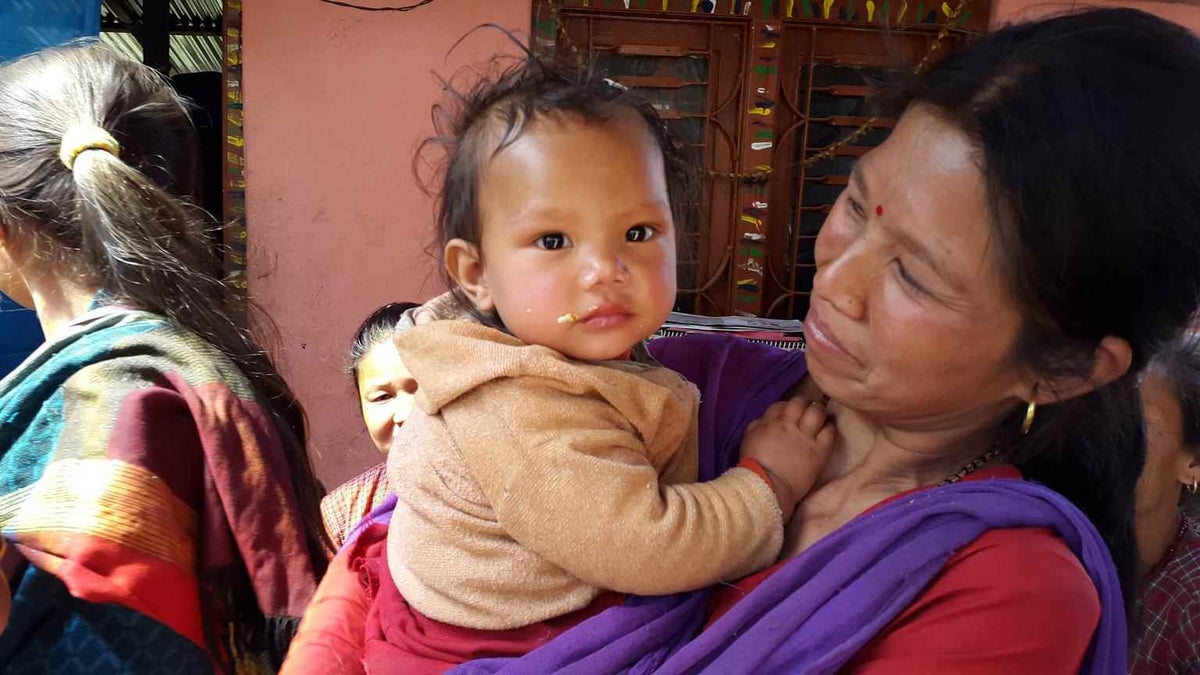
{"type": "Point", "coordinates": [552, 241]}
{"type": "Point", "coordinates": [639, 233]}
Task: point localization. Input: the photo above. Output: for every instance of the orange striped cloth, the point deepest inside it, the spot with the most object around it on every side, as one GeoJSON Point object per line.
{"type": "Point", "coordinates": [146, 484]}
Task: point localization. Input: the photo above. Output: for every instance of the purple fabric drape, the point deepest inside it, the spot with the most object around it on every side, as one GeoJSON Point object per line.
{"type": "Point", "coordinates": [823, 606]}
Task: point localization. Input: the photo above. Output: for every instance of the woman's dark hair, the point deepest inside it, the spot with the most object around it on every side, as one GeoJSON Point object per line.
{"type": "Point", "coordinates": [378, 327]}
{"type": "Point", "coordinates": [112, 223]}
{"type": "Point", "coordinates": [1180, 365]}
{"type": "Point", "coordinates": [494, 112]}
{"type": "Point", "coordinates": [1086, 130]}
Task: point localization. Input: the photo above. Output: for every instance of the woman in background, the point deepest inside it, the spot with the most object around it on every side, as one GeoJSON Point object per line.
{"type": "Point", "coordinates": [156, 489]}
{"type": "Point", "coordinates": [385, 394]}
{"type": "Point", "coordinates": [1168, 540]}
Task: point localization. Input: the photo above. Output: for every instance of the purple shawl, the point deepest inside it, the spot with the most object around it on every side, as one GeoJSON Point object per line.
{"type": "Point", "coordinates": [823, 606]}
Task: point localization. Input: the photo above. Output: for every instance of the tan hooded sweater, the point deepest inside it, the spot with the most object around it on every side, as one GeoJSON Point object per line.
{"type": "Point", "coordinates": [528, 483]}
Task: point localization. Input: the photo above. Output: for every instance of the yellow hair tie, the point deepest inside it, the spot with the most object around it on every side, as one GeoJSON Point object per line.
{"type": "Point", "coordinates": [83, 137]}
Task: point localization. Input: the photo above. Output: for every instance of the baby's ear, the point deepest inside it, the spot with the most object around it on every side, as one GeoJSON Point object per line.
{"type": "Point", "coordinates": [465, 265]}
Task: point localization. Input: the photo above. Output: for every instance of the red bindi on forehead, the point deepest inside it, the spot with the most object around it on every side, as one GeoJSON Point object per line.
{"type": "Point", "coordinates": [879, 210]}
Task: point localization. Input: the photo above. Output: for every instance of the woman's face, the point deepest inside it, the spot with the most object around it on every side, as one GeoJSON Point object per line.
{"type": "Point", "coordinates": [1167, 459]}
{"type": "Point", "coordinates": [385, 391]}
{"type": "Point", "coordinates": [911, 320]}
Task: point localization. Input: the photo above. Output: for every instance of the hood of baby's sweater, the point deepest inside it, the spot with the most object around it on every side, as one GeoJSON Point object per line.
{"type": "Point", "coordinates": [449, 359]}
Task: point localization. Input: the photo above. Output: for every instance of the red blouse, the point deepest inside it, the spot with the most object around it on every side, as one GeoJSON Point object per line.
{"type": "Point", "coordinates": [1013, 601]}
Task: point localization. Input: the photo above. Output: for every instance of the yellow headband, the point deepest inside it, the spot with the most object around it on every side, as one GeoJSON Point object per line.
{"type": "Point", "coordinates": [83, 137]}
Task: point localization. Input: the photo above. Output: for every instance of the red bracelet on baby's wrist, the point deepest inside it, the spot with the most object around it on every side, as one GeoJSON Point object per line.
{"type": "Point", "coordinates": [758, 469]}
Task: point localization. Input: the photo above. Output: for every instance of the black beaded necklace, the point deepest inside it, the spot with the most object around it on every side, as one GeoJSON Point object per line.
{"type": "Point", "coordinates": [973, 465]}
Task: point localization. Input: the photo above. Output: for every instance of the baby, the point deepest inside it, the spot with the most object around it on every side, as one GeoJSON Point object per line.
{"type": "Point", "coordinates": [548, 457]}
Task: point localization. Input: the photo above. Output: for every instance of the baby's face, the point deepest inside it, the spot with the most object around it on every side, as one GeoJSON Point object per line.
{"type": "Point", "coordinates": [578, 243]}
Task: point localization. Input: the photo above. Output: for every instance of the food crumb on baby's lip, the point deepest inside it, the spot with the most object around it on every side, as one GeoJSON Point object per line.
{"type": "Point", "coordinates": [569, 317]}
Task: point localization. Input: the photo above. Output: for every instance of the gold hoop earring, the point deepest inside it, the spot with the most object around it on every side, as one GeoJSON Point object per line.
{"type": "Point", "coordinates": [1030, 411]}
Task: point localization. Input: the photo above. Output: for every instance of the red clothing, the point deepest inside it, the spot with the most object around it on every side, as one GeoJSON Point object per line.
{"type": "Point", "coordinates": [1013, 601]}
{"type": "Point", "coordinates": [402, 641]}
{"type": "Point", "coordinates": [358, 623]}
{"type": "Point", "coordinates": [329, 640]}
{"type": "Point", "coordinates": [1169, 640]}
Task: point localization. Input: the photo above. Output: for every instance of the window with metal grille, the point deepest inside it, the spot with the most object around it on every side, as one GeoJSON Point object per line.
{"type": "Point", "coordinates": [764, 94]}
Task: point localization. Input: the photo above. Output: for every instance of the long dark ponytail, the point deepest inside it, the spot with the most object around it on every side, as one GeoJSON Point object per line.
{"type": "Point", "coordinates": [1085, 125]}
{"type": "Point", "coordinates": [149, 251]}
{"type": "Point", "coordinates": [113, 223]}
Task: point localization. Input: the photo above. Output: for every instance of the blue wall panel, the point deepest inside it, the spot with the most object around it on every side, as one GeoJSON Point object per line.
{"type": "Point", "coordinates": [19, 334]}
{"type": "Point", "coordinates": [29, 25]}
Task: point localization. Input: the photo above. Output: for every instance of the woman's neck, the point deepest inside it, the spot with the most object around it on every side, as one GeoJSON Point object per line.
{"type": "Point", "coordinates": [879, 453]}
{"type": "Point", "coordinates": [57, 300]}
{"type": "Point", "coordinates": [872, 462]}
{"type": "Point", "coordinates": [872, 456]}
{"type": "Point", "coordinates": [1155, 531]}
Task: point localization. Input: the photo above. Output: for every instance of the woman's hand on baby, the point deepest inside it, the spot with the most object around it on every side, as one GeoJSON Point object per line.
{"type": "Point", "coordinates": [792, 441]}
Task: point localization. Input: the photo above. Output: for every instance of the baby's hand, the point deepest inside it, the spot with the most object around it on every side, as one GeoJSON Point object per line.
{"type": "Point", "coordinates": [792, 441]}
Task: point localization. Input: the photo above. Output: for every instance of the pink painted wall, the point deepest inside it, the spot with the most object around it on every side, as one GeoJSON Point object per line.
{"type": "Point", "coordinates": [1182, 12]}
{"type": "Point", "coordinates": [336, 100]}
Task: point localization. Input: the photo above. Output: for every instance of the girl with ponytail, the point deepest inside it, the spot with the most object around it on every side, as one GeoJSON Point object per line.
{"type": "Point", "coordinates": [154, 478]}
